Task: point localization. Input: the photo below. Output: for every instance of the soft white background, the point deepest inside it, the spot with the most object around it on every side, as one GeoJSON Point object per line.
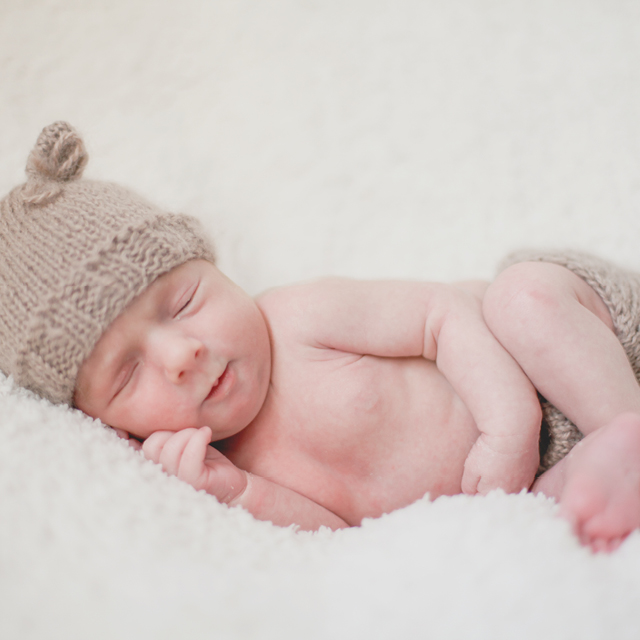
{"type": "Point", "coordinates": [405, 138]}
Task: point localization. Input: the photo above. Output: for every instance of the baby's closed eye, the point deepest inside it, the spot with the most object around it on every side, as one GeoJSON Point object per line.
{"type": "Point", "coordinates": [185, 301]}
{"type": "Point", "coordinates": [184, 305]}
{"type": "Point", "coordinates": [125, 377]}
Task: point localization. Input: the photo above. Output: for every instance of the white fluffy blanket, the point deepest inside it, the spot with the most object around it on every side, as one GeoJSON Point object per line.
{"type": "Point", "coordinates": [368, 138]}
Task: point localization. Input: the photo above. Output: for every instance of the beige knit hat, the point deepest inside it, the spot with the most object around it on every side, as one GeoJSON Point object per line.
{"type": "Point", "coordinates": [73, 254]}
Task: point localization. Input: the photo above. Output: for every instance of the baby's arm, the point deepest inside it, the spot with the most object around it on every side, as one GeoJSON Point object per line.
{"type": "Point", "coordinates": [187, 455]}
{"type": "Point", "coordinates": [443, 323]}
{"type": "Point", "coordinates": [494, 388]}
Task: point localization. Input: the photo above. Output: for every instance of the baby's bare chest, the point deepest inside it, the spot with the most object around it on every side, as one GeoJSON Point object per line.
{"type": "Point", "coordinates": [357, 404]}
{"type": "Point", "coordinates": [359, 434]}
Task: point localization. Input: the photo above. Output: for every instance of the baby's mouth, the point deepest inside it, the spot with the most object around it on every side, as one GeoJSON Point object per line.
{"type": "Point", "coordinates": [218, 384]}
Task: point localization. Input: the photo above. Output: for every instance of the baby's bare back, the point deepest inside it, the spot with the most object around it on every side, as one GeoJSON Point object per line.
{"type": "Point", "coordinates": [359, 435]}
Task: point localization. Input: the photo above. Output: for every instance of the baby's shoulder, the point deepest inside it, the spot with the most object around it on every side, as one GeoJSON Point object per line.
{"type": "Point", "coordinates": [292, 310]}
{"type": "Point", "coordinates": [297, 298]}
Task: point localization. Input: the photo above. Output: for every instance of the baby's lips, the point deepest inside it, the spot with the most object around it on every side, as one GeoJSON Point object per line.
{"type": "Point", "coordinates": [218, 383]}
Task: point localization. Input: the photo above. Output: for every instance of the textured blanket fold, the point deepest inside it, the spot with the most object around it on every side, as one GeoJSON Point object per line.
{"type": "Point", "coordinates": [97, 542]}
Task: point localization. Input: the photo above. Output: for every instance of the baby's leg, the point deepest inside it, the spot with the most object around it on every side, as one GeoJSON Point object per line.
{"type": "Point", "coordinates": [598, 484]}
{"type": "Point", "coordinates": [561, 334]}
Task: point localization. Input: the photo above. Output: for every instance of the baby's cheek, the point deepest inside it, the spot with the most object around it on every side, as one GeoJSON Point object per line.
{"type": "Point", "coordinates": [158, 408]}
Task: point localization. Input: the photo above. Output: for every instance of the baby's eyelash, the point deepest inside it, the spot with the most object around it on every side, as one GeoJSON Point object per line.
{"type": "Point", "coordinates": [126, 380]}
{"type": "Point", "coordinates": [185, 305]}
{"type": "Point", "coordinates": [188, 301]}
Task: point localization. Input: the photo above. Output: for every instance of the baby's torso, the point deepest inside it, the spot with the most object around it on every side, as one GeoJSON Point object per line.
{"type": "Point", "coordinates": [360, 435]}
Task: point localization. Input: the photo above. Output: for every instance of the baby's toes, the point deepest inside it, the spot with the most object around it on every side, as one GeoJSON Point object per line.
{"type": "Point", "coordinates": [598, 545]}
{"type": "Point", "coordinates": [580, 504]}
{"type": "Point", "coordinates": [615, 543]}
{"type": "Point", "coordinates": [606, 530]}
{"type": "Point", "coordinates": [604, 545]}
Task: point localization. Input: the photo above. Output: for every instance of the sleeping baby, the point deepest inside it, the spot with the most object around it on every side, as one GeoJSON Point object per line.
{"type": "Point", "coordinates": [330, 401]}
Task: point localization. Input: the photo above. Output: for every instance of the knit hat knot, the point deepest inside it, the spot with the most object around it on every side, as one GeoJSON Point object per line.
{"type": "Point", "coordinates": [59, 156]}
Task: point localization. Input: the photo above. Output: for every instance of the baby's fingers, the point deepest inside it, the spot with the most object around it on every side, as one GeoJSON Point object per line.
{"type": "Point", "coordinates": [173, 450]}
{"type": "Point", "coordinates": [191, 463]}
{"type": "Point", "coordinates": [486, 469]}
{"type": "Point", "coordinates": [166, 448]}
{"type": "Point", "coordinates": [153, 445]}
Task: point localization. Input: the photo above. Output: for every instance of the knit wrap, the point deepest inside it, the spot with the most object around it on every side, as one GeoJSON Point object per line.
{"type": "Point", "coordinates": [73, 254]}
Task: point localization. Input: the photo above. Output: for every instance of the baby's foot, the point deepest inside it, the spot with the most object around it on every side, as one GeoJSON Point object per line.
{"type": "Point", "coordinates": [601, 493]}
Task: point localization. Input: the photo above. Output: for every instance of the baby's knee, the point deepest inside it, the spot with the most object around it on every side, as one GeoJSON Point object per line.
{"type": "Point", "coordinates": [525, 294]}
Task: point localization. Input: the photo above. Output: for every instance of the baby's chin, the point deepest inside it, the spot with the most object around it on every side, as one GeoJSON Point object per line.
{"type": "Point", "coordinates": [236, 423]}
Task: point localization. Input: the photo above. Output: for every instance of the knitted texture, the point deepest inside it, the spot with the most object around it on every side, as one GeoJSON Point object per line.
{"type": "Point", "coordinates": [620, 291]}
{"type": "Point", "coordinates": [73, 254]}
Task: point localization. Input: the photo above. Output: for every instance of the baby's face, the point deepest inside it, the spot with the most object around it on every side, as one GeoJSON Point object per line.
{"type": "Point", "coordinates": [191, 351]}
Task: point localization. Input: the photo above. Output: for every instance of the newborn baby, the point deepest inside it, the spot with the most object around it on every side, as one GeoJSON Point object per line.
{"type": "Point", "coordinates": [338, 400]}
{"type": "Point", "coordinates": [329, 401]}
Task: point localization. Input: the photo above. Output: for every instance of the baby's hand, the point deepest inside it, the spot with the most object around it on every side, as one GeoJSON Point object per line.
{"type": "Point", "coordinates": [493, 464]}
{"type": "Point", "coordinates": [187, 455]}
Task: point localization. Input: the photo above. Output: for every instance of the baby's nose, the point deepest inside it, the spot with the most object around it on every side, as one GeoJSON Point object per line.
{"type": "Point", "coordinates": [179, 355]}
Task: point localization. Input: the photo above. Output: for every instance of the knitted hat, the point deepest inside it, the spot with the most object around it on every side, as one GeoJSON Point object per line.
{"type": "Point", "coordinates": [73, 254]}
